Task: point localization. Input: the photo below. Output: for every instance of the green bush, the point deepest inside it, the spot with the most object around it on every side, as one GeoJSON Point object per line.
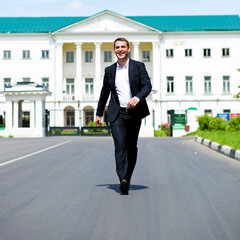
{"type": "Point", "coordinates": [203, 122]}
{"type": "Point", "coordinates": [210, 123]}
{"type": "Point", "coordinates": [234, 124]}
{"type": "Point", "coordinates": [159, 133]}
{"type": "Point", "coordinates": [166, 129]}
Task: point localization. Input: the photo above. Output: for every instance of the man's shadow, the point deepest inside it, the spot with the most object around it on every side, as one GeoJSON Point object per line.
{"type": "Point", "coordinates": [115, 187]}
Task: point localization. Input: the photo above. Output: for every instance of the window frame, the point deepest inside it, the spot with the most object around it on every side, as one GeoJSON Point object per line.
{"type": "Point", "coordinates": [170, 84]}
{"type": "Point", "coordinates": [89, 56]}
{"type": "Point", "coordinates": [26, 54]}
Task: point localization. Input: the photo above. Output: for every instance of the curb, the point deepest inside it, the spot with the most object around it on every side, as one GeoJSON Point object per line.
{"type": "Point", "coordinates": [230, 152]}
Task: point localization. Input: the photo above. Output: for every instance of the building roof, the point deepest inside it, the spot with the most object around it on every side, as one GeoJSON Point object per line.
{"type": "Point", "coordinates": [161, 23]}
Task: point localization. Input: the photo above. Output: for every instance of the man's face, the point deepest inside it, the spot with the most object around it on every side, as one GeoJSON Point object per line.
{"type": "Point", "coordinates": [121, 50]}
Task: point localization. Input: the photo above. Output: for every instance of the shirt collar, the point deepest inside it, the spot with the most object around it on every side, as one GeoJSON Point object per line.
{"type": "Point", "coordinates": [125, 67]}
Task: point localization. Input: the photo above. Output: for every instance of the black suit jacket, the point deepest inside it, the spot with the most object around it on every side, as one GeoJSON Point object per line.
{"type": "Point", "coordinates": [140, 86]}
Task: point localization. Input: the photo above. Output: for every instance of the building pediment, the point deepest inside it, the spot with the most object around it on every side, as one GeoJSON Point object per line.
{"type": "Point", "coordinates": [107, 22]}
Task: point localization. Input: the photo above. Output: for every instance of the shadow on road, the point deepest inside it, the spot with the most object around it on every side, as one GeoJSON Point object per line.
{"type": "Point", "coordinates": [115, 187]}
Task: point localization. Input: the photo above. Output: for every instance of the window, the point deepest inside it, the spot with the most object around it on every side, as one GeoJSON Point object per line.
{"type": "Point", "coordinates": [45, 53]}
{"type": "Point", "coordinates": [208, 112]}
{"type": "Point", "coordinates": [170, 84]}
{"type": "Point", "coordinates": [226, 84]}
{"type": "Point", "coordinates": [207, 84]}
{"type": "Point", "coordinates": [189, 85]}
{"type": "Point", "coordinates": [26, 79]}
{"type": "Point", "coordinates": [169, 52]}
{"type": "Point", "coordinates": [70, 57]}
{"type": "Point", "coordinates": [7, 81]}
{"type": "Point", "coordinates": [89, 86]}
{"type": "Point", "coordinates": [70, 115]}
{"type": "Point", "coordinates": [107, 56]}
{"type": "Point", "coordinates": [6, 54]}
{"type": "Point", "coordinates": [45, 83]}
{"type": "Point", "coordinates": [89, 56]}
{"type": "Point", "coordinates": [89, 116]}
{"type": "Point", "coordinates": [207, 52]}
{"type": "Point", "coordinates": [146, 55]}
{"type": "Point", "coordinates": [70, 86]}
{"type": "Point", "coordinates": [188, 52]}
{"type": "Point", "coordinates": [226, 111]}
{"type": "Point", "coordinates": [26, 54]}
{"type": "Point", "coordinates": [225, 52]}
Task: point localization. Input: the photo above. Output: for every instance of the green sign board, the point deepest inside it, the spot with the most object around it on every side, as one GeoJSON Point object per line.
{"type": "Point", "coordinates": [179, 119]}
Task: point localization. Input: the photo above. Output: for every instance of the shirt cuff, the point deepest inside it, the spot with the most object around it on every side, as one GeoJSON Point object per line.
{"type": "Point", "coordinates": [137, 98]}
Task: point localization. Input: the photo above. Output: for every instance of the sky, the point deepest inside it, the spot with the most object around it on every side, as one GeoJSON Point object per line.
{"type": "Point", "coordinates": [42, 8]}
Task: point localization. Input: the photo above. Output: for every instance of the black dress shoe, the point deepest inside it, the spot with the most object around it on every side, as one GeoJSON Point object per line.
{"type": "Point", "coordinates": [124, 187]}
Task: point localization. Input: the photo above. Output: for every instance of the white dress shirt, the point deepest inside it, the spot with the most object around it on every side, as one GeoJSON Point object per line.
{"type": "Point", "coordinates": [122, 85]}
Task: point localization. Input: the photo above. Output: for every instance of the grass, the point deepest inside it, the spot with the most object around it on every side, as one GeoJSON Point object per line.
{"type": "Point", "coordinates": [231, 139]}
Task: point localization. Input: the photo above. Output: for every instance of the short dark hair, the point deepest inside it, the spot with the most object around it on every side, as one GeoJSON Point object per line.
{"type": "Point", "coordinates": [122, 40]}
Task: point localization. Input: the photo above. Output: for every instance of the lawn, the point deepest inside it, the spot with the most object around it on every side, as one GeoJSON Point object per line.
{"type": "Point", "coordinates": [231, 139]}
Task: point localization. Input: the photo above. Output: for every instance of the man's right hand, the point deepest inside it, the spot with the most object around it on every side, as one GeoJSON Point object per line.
{"type": "Point", "coordinates": [98, 121]}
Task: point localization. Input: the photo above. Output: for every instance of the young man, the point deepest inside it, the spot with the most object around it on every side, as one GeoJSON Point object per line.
{"type": "Point", "coordinates": [129, 84]}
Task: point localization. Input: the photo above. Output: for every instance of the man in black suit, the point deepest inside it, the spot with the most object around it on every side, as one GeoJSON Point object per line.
{"type": "Point", "coordinates": [129, 84]}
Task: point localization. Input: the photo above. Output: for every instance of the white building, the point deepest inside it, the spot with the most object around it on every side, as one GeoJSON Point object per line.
{"type": "Point", "coordinates": [192, 61]}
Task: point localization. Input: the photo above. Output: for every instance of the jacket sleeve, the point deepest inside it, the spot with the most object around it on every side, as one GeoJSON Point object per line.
{"type": "Point", "coordinates": [145, 83]}
{"type": "Point", "coordinates": [103, 96]}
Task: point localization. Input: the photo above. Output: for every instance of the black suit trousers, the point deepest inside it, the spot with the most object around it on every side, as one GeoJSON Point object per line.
{"type": "Point", "coordinates": [125, 129]}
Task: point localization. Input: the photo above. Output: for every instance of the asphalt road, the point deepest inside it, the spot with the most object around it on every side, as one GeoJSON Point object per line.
{"type": "Point", "coordinates": [66, 188]}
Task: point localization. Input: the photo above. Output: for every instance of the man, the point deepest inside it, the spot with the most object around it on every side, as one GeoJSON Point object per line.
{"type": "Point", "coordinates": [129, 84]}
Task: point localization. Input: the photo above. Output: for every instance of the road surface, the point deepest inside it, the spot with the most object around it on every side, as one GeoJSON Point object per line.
{"type": "Point", "coordinates": [66, 188]}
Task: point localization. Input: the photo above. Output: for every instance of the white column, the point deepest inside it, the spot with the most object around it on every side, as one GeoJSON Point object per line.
{"type": "Point", "coordinates": [136, 50]}
{"type": "Point", "coordinates": [97, 68]}
{"type": "Point", "coordinates": [39, 114]}
{"type": "Point", "coordinates": [32, 115]}
{"type": "Point", "coordinates": [156, 72]}
{"type": "Point", "coordinates": [78, 78]}
{"type": "Point", "coordinates": [15, 114]}
{"type": "Point", "coordinates": [9, 115]}
{"type": "Point", "coordinates": [59, 72]}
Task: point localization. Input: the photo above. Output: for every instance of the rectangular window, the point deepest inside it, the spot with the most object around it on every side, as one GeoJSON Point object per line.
{"type": "Point", "coordinates": [189, 85]}
{"type": "Point", "coordinates": [226, 84]}
{"type": "Point", "coordinates": [207, 84]}
{"type": "Point", "coordinates": [208, 112]}
{"type": "Point", "coordinates": [169, 52]}
{"type": "Point", "coordinates": [170, 84]}
{"type": "Point", "coordinates": [70, 57]}
{"type": "Point", "coordinates": [45, 53]}
{"type": "Point", "coordinates": [7, 82]}
{"type": "Point", "coordinates": [26, 54]}
{"type": "Point", "coordinates": [70, 86]}
{"type": "Point", "coordinates": [6, 54]}
{"type": "Point", "coordinates": [89, 56]}
{"type": "Point", "coordinates": [45, 83]}
{"type": "Point", "coordinates": [26, 79]}
{"type": "Point", "coordinates": [146, 55]}
{"type": "Point", "coordinates": [226, 111]}
{"type": "Point", "coordinates": [89, 86]}
{"type": "Point", "coordinates": [207, 52]}
{"type": "Point", "coordinates": [107, 56]}
{"type": "Point", "coordinates": [188, 52]}
{"type": "Point", "coordinates": [225, 52]}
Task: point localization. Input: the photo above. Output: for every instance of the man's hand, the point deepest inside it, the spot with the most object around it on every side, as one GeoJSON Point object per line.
{"type": "Point", "coordinates": [98, 121]}
{"type": "Point", "coordinates": [133, 102]}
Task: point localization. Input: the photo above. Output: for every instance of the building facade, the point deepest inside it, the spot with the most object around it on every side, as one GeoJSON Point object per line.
{"type": "Point", "coordinates": [192, 61]}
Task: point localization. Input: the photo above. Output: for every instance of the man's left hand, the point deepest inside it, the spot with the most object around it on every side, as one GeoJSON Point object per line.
{"type": "Point", "coordinates": [133, 102]}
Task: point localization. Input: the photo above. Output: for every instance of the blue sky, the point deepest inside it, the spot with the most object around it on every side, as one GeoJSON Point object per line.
{"type": "Point", "coordinates": [15, 8]}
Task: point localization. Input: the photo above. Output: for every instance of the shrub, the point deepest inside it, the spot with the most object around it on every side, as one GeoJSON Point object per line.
{"type": "Point", "coordinates": [210, 123]}
{"type": "Point", "coordinates": [203, 122]}
{"type": "Point", "coordinates": [166, 129]}
{"type": "Point", "coordinates": [234, 124]}
{"type": "Point", "coordinates": [159, 133]}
